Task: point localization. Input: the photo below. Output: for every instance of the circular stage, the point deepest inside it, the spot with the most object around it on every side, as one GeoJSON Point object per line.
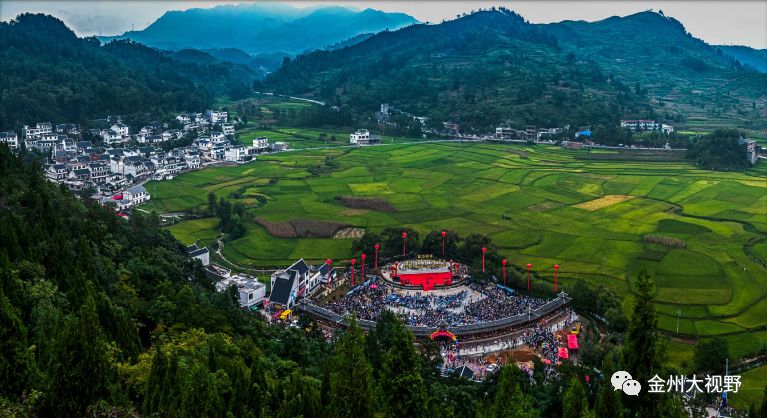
{"type": "Point", "coordinates": [424, 272]}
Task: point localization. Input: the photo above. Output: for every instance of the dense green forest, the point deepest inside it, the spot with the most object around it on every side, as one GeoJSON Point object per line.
{"type": "Point", "coordinates": [483, 69]}
{"type": "Point", "coordinates": [49, 74]}
{"type": "Point", "coordinates": [100, 316]}
{"type": "Point", "coordinates": [721, 150]}
{"type": "Point", "coordinates": [493, 67]}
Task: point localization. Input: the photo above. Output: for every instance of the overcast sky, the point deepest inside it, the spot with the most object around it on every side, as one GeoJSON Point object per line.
{"type": "Point", "coordinates": [716, 22]}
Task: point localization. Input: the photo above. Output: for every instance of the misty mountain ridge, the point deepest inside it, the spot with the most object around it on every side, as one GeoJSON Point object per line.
{"type": "Point", "coordinates": [263, 27]}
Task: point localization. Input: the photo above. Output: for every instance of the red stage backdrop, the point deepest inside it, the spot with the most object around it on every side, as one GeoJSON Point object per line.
{"type": "Point", "coordinates": [427, 280]}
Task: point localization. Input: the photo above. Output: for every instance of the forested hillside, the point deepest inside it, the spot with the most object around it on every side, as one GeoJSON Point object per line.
{"type": "Point", "coordinates": [49, 74]}
{"type": "Point", "coordinates": [481, 69]}
{"type": "Point", "coordinates": [492, 66]}
{"type": "Point", "coordinates": [690, 80]}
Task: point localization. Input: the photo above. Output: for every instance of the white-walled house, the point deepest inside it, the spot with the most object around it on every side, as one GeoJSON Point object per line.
{"type": "Point", "coordinates": [236, 154]}
{"type": "Point", "coordinates": [227, 129]}
{"type": "Point", "coordinates": [202, 254]}
{"type": "Point", "coordinates": [56, 172]}
{"type": "Point", "coordinates": [364, 137]}
{"type": "Point", "coordinates": [215, 116]}
{"type": "Point", "coordinates": [217, 137]}
{"type": "Point", "coordinates": [251, 292]}
{"type": "Point", "coordinates": [10, 138]}
{"type": "Point", "coordinates": [120, 128]}
{"type": "Point", "coordinates": [261, 144]}
{"type": "Point", "coordinates": [136, 195]}
{"type": "Point", "coordinates": [37, 130]}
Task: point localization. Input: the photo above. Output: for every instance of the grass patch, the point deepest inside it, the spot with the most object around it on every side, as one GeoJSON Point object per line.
{"type": "Point", "coordinates": [603, 202]}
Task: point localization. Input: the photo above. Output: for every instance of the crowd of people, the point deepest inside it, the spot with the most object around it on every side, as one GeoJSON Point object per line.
{"type": "Point", "coordinates": [487, 303]}
{"type": "Point", "coordinates": [498, 304]}
{"type": "Point", "coordinates": [543, 337]}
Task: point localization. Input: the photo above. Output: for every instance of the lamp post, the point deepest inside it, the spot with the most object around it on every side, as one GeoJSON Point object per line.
{"type": "Point", "coordinates": [529, 266]}
{"type": "Point", "coordinates": [354, 261]}
{"type": "Point", "coordinates": [327, 273]}
{"type": "Point", "coordinates": [404, 237]}
{"type": "Point", "coordinates": [363, 256]}
{"type": "Point", "coordinates": [556, 269]}
{"type": "Point", "coordinates": [484, 250]}
{"type": "Point", "coordinates": [376, 259]}
{"type": "Point", "coordinates": [503, 262]}
{"type": "Point", "coordinates": [443, 243]}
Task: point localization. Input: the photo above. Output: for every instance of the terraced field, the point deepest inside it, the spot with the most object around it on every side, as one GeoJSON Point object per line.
{"type": "Point", "coordinates": [541, 206]}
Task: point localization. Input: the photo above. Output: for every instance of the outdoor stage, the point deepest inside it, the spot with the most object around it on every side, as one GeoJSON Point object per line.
{"type": "Point", "coordinates": [424, 272]}
{"type": "Point", "coordinates": [426, 279]}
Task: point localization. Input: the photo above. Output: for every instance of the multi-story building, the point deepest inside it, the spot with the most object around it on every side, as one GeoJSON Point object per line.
{"type": "Point", "coordinates": [37, 130]}
{"type": "Point", "coordinates": [364, 137]}
{"type": "Point", "coordinates": [10, 138]}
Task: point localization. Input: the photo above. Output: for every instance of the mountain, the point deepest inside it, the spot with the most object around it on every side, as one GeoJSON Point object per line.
{"type": "Point", "coordinates": [492, 66]}
{"type": "Point", "coordinates": [690, 79]}
{"type": "Point", "coordinates": [262, 27]}
{"type": "Point", "coordinates": [748, 57]}
{"type": "Point", "coordinates": [482, 69]}
{"type": "Point", "coordinates": [49, 74]}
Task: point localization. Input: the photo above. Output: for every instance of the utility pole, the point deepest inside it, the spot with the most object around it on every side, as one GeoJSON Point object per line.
{"type": "Point", "coordinates": [678, 313]}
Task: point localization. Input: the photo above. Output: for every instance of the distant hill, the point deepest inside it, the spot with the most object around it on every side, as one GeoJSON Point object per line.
{"type": "Point", "coordinates": [482, 69]}
{"type": "Point", "coordinates": [49, 74]}
{"type": "Point", "coordinates": [749, 57]}
{"type": "Point", "coordinates": [492, 66]}
{"type": "Point", "coordinates": [263, 27]}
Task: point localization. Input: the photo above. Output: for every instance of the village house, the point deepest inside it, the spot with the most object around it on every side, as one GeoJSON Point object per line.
{"type": "Point", "coordinates": [636, 125]}
{"type": "Point", "coordinates": [136, 195]}
{"type": "Point", "coordinates": [111, 137]}
{"type": "Point", "coordinates": [68, 129]}
{"type": "Point", "coordinates": [261, 144]}
{"type": "Point", "coordinates": [80, 174]}
{"type": "Point", "coordinates": [120, 128]}
{"type": "Point", "coordinates": [251, 292]}
{"type": "Point", "coordinates": [10, 138]}
{"type": "Point", "coordinates": [192, 161]}
{"type": "Point", "coordinates": [56, 172]}
{"type": "Point", "coordinates": [285, 284]}
{"type": "Point", "coordinates": [364, 137]}
{"type": "Point", "coordinates": [37, 130]}
{"type": "Point", "coordinates": [279, 146]}
{"type": "Point", "coordinates": [227, 129]}
{"type": "Point", "coordinates": [98, 172]}
{"type": "Point", "coordinates": [289, 284]}
{"type": "Point", "coordinates": [215, 116]}
{"type": "Point", "coordinates": [236, 154]}
{"type": "Point", "coordinates": [202, 254]}
{"type": "Point", "coordinates": [505, 133]}
{"type": "Point", "coordinates": [217, 137]}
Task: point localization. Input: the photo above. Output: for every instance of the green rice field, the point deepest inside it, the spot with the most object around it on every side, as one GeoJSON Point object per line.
{"type": "Point", "coordinates": [542, 206]}
{"type": "Point", "coordinates": [302, 138]}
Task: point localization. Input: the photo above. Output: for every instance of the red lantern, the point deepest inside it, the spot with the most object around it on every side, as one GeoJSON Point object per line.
{"type": "Point", "coordinates": [354, 261]}
{"type": "Point", "coordinates": [556, 269]}
{"type": "Point", "coordinates": [404, 236]}
{"type": "Point", "coordinates": [529, 266]}
{"type": "Point", "coordinates": [484, 250]}
{"type": "Point", "coordinates": [376, 259]}
{"type": "Point", "coordinates": [443, 243]}
{"type": "Point", "coordinates": [363, 256]}
{"type": "Point", "coordinates": [503, 262]}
